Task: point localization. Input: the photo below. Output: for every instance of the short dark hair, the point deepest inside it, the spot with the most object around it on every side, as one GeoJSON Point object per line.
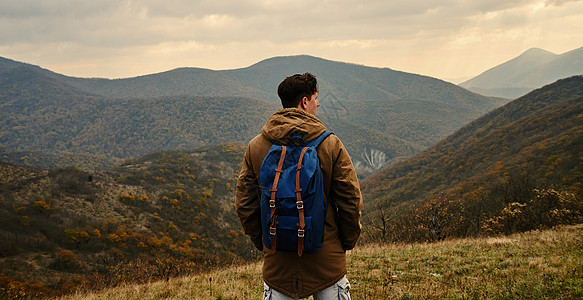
{"type": "Point", "coordinates": [294, 88]}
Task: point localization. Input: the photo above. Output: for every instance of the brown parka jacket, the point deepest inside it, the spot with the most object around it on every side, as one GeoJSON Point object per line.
{"type": "Point", "coordinates": [286, 272]}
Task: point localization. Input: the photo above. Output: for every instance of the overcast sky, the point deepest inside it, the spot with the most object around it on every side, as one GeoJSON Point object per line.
{"type": "Point", "coordinates": [123, 38]}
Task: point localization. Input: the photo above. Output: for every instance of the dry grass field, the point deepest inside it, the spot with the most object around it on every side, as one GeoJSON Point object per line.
{"type": "Point", "coordinates": [534, 265]}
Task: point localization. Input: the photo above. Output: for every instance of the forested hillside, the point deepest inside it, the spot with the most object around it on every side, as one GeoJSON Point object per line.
{"type": "Point", "coordinates": [47, 123]}
{"type": "Point", "coordinates": [163, 215]}
{"type": "Point", "coordinates": [55, 120]}
{"type": "Point", "coordinates": [517, 168]}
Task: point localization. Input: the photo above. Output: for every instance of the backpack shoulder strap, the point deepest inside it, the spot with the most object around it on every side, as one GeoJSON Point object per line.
{"type": "Point", "coordinates": [315, 142]}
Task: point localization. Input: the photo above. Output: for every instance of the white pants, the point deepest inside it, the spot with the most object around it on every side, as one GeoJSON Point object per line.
{"type": "Point", "coordinates": [339, 290]}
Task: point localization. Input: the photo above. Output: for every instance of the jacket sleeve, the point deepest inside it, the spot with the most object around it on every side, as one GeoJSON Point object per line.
{"type": "Point", "coordinates": [247, 201]}
{"type": "Point", "coordinates": [347, 197]}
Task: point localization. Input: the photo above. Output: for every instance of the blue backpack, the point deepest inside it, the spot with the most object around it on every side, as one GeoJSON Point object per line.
{"type": "Point", "coordinates": [292, 197]}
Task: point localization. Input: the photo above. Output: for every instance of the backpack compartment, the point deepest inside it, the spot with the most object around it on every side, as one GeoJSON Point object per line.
{"type": "Point", "coordinates": [287, 233]}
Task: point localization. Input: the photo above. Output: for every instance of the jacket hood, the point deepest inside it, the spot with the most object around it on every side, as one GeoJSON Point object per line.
{"type": "Point", "coordinates": [289, 121]}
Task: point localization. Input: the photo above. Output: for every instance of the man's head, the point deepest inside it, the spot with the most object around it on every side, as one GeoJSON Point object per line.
{"type": "Point", "coordinates": [301, 91]}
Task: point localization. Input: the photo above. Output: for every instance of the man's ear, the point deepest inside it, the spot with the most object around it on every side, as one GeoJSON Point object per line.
{"type": "Point", "coordinates": [303, 103]}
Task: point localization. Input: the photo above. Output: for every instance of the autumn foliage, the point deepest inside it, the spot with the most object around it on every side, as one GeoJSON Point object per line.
{"type": "Point", "coordinates": [165, 215]}
{"type": "Point", "coordinates": [517, 168]}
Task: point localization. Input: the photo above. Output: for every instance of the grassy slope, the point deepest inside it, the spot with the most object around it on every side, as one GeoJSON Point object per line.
{"type": "Point", "coordinates": [534, 265]}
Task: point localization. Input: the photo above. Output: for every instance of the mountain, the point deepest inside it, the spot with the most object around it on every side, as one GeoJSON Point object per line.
{"type": "Point", "coordinates": [399, 104]}
{"type": "Point", "coordinates": [48, 123]}
{"type": "Point", "coordinates": [513, 154]}
{"type": "Point", "coordinates": [164, 214]}
{"type": "Point", "coordinates": [530, 70]}
{"type": "Point", "coordinates": [390, 113]}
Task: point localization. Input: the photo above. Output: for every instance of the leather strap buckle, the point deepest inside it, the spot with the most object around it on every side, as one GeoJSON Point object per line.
{"type": "Point", "coordinates": [300, 204]}
{"type": "Point", "coordinates": [301, 233]}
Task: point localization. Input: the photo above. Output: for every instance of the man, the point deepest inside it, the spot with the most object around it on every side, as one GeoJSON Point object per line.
{"type": "Point", "coordinates": [287, 275]}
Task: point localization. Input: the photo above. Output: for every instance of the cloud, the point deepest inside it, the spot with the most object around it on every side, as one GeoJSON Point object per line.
{"type": "Point", "coordinates": [121, 23]}
{"type": "Point", "coordinates": [558, 2]}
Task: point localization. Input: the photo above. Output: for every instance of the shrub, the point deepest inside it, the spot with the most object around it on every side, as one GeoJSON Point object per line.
{"type": "Point", "coordinates": [65, 260]}
{"type": "Point", "coordinates": [547, 209]}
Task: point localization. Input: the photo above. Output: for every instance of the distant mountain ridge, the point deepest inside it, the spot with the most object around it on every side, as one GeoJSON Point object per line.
{"type": "Point", "coordinates": [532, 69]}
{"type": "Point", "coordinates": [379, 110]}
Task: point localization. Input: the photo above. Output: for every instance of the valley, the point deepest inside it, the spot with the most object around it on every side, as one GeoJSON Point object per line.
{"type": "Point", "coordinates": [110, 182]}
